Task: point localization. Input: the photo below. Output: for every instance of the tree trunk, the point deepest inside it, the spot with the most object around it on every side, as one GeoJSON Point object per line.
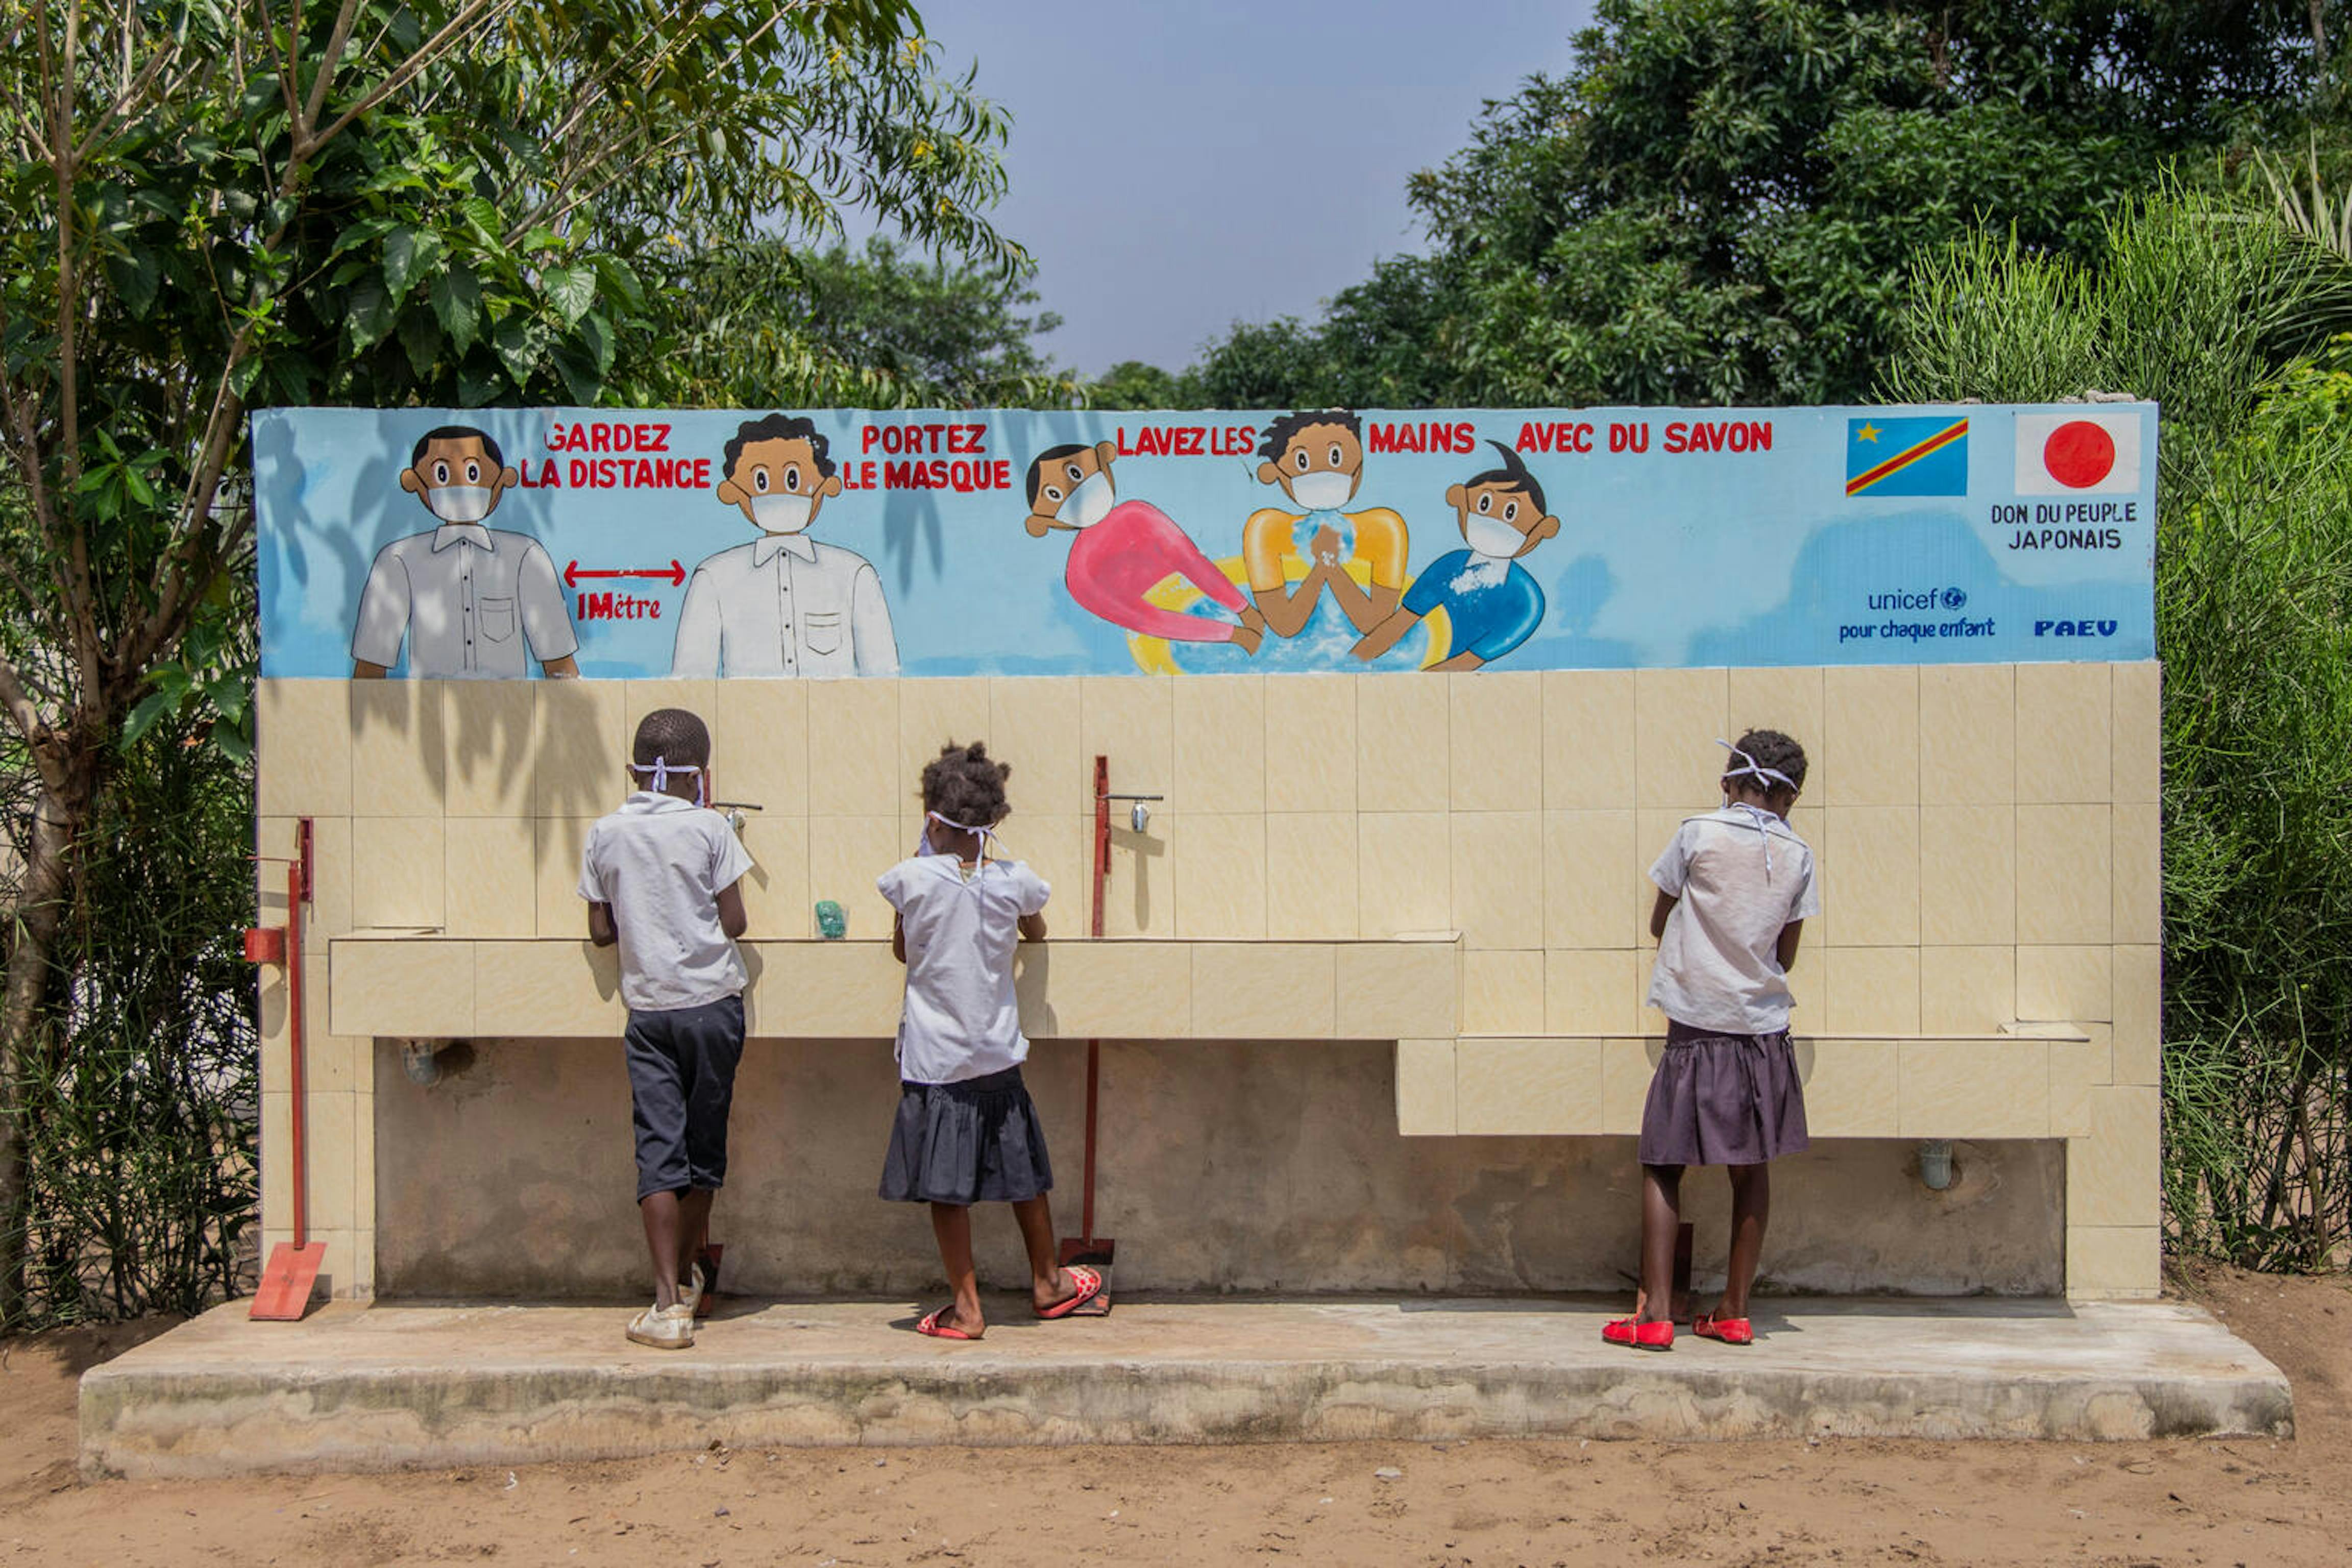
{"type": "Point", "coordinates": [60, 815]}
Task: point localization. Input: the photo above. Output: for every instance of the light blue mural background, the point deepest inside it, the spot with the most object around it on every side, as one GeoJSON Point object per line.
{"type": "Point", "coordinates": [1663, 560]}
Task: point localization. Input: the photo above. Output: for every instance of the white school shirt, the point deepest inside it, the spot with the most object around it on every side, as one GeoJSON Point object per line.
{"type": "Point", "coordinates": [784, 605]}
{"type": "Point", "coordinates": [662, 862]}
{"type": "Point", "coordinates": [1718, 965]}
{"type": "Point", "coordinates": [960, 1019]}
{"type": "Point", "coordinates": [461, 593]}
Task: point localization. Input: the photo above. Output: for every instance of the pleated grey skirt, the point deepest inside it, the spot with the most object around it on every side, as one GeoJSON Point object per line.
{"type": "Point", "coordinates": [974, 1141]}
{"type": "Point", "coordinates": [1723, 1100]}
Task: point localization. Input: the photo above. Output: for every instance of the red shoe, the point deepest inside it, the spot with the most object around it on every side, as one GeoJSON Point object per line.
{"type": "Point", "coordinates": [1728, 1331]}
{"type": "Point", "coordinates": [1657, 1336]}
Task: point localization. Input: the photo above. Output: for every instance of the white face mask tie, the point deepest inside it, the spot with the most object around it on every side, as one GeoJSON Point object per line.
{"type": "Point", "coordinates": [985, 835]}
{"type": "Point", "coordinates": [661, 770]}
{"type": "Point", "coordinates": [1758, 818]}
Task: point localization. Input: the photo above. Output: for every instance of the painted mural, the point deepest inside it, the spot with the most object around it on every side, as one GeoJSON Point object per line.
{"type": "Point", "coordinates": [504, 543]}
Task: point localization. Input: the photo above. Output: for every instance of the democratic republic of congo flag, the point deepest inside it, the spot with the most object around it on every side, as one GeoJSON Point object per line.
{"type": "Point", "coordinates": [1906, 456]}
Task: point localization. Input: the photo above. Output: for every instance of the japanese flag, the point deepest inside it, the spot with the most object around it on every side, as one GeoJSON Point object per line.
{"type": "Point", "coordinates": [2079, 453]}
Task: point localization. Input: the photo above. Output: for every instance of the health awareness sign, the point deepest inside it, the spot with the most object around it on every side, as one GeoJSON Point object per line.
{"type": "Point", "coordinates": [828, 542]}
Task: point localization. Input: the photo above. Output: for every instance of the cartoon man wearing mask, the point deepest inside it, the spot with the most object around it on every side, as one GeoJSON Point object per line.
{"type": "Point", "coordinates": [1317, 459]}
{"type": "Point", "coordinates": [1491, 602]}
{"type": "Point", "coordinates": [1125, 549]}
{"type": "Point", "coordinates": [784, 603]}
{"type": "Point", "coordinates": [466, 598]}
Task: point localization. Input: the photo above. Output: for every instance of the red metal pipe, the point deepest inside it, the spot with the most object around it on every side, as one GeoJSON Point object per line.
{"type": "Point", "coordinates": [297, 893]}
{"type": "Point", "coordinates": [1094, 1047]}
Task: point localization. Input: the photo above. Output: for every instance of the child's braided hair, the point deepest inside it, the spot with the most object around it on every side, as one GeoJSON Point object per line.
{"type": "Point", "coordinates": [1771, 749]}
{"type": "Point", "coordinates": [963, 786]}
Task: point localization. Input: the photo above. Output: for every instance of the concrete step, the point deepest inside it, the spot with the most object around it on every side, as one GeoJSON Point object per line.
{"type": "Point", "coordinates": [357, 1387]}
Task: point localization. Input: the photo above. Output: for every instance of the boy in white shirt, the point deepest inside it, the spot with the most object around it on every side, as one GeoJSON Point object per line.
{"type": "Point", "coordinates": [661, 877]}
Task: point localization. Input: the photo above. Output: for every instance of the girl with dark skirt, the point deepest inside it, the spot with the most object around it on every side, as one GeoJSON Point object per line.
{"type": "Point", "coordinates": [966, 1131]}
{"type": "Point", "coordinates": [1734, 887]}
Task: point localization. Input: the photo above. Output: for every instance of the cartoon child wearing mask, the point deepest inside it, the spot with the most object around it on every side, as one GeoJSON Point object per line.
{"type": "Point", "coordinates": [1317, 459]}
{"type": "Point", "coordinates": [1491, 601]}
{"type": "Point", "coordinates": [464, 597]}
{"type": "Point", "coordinates": [1123, 550]}
{"type": "Point", "coordinates": [784, 603]}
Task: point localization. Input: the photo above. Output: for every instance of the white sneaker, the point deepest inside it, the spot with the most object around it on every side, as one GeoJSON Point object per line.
{"type": "Point", "coordinates": [691, 1288]}
{"type": "Point", "coordinates": [664, 1328]}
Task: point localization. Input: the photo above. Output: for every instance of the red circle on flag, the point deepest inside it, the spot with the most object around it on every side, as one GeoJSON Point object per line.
{"type": "Point", "coordinates": [2079, 454]}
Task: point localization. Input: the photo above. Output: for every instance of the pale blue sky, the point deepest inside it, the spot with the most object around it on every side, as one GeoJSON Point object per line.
{"type": "Point", "coordinates": [1178, 166]}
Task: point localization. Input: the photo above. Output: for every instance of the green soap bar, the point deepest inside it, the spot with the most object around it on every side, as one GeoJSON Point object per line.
{"type": "Point", "coordinates": [831, 923]}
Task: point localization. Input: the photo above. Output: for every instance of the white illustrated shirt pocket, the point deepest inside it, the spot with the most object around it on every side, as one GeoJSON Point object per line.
{"type": "Point", "coordinates": [496, 619]}
{"type": "Point", "coordinates": [822, 629]}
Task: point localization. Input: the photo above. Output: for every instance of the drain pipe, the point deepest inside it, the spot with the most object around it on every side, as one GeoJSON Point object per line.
{"type": "Point", "coordinates": [1935, 1165]}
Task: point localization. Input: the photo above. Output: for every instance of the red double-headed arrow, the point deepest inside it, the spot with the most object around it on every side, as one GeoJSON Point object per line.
{"type": "Point", "coordinates": [674, 573]}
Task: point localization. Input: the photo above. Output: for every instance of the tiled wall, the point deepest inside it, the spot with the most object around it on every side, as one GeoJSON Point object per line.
{"type": "Point", "coordinates": [1987, 836]}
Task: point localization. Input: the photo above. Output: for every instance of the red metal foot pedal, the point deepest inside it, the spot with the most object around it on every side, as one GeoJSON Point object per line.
{"type": "Point", "coordinates": [285, 1292]}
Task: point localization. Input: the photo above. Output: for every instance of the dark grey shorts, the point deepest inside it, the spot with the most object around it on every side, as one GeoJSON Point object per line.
{"type": "Point", "coordinates": [681, 1079]}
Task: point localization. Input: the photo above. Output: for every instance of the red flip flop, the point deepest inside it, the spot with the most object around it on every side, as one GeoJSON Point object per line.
{"type": "Point", "coordinates": [1726, 1331]}
{"type": "Point", "coordinates": [1640, 1336]}
{"type": "Point", "coordinates": [932, 1326]}
{"type": "Point", "coordinates": [1090, 1285]}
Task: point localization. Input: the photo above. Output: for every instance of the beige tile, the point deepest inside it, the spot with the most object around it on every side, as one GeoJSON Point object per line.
{"type": "Point", "coordinates": [1678, 716]}
{"type": "Point", "coordinates": [421, 988]}
{"type": "Point", "coordinates": [1588, 739]}
{"type": "Point", "coordinates": [639, 697]}
{"type": "Point", "coordinates": [1626, 1066]}
{"type": "Point", "coordinates": [1593, 991]}
{"type": "Point", "coordinates": [1498, 877]}
{"type": "Point", "coordinates": [580, 748]}
{"type": "Point", "coordinates": [2137, 766]}
{"type": "Point", "coordinates": [556, 847]}
{"type": "Point", "coordinates": [1404, 879]}
{"type": "Point", "coordinates": [1425, 1088]}
{"type": "Point", "coordinates": [1872, 991]}
{"type": "Point", "coordinates": [1967, 875]}
{"type": "Point", "coordinates": [2113, 1176]}
{"type": "Point", "coordinates": [776, 902]}
{"type": "Point", "coordinates": [1033, 723]}
{"type": "Point", "coordinates": [1809, 992]}
{"type": "Point", "coordinates": [1310, 743]}
{"type": "Point", "coordinates": [760, 744]}
{"type": "Point", "coordinates": [2065, 881]}
{"type": "Point", "coordinates": [1310, 877]}
{"type": "Point", "coordinates": [1869, 750]}
{"type": "Point", "coordinates": [2114, 1262]}
{"type": "Point", "coordinates": [1595, 890]}
{"type": "Point", "coordinates": [2138, 1007]}
{"type": "Point", "coordinates": [1140, 991]}
{"type": "Point", "coordinates": [2138, 874]}
{"type": "Point", "coordinates": [363, 1174]}
{"type": "Point", "coordinates": [932, 712]}
{"type": "Point", "coordinates": [1968, 734]}
{"type": "Point", "coordinates": [1402, 742]}
{"type": "Point", "coordinates": [1877, 851]}
{"type": "Point", "coordinates": [1265, 991]}
{"type": "Point", "coordinates": [329, 912]}
{"type": "Point", "coordinates": [1967, 990]}
{"type": "Point", "coordinates": [1653, 831]}
{"type": "Point", "coordinates": [1852, 1086]}
{"type": "Point", "coordinates": [833, 990]}
{"type": "Point", "coordinates": [302, 735]}
{"type": "Point", "coordinates": [1503, 993]}
{"type": "Point", "coordinates": [1225, 878]}
{"type": "Point", "coordinates": [399, 745]}
{"type": "Point", "coordinates": [396, 871]}
{"type": "Point", "coordinates": [1061, 850]}
{"type": "Point", "coordinates": [527, 990]}
{"type": "Point", "coordinates": [1220, 744]}
{"type": "Point", "coordinates": [489, 881]}
{"type": "Point", "coordinates": [2077, 1070]}
{"type": "Point", "coordinates": [1811, 824]}
{"type": "Point", "coordinates": [277, 1048]}
{"type": "Point", "coordinates": [2065, 985]}
{"type": "Point", "coordinates": [1974, 1089]}
{"type": "Point", "coordinates": [277, 1165]}
{"type": "Point", "coordinates": [1131, 720]}
{"type": "Point", "coordinates": [1497, 735]}
{"type": "Point", "coordinates": [1393, 991]}
{"type": "Point", "coordinates": [362, 1270]}
{"type": "Point", "coordinates": [2065, 740]}
{"type": "Point", "coordinates": [846, 854]}
{"type": "Point", "coordinates": [1785, 697]}
{"type": "Point", "coordinates": [1528, 1087]}
{"type": "Point", "coordinates": [1140, 895]}
{"type": "Point", "coordinates": [853, 756]}
{"type": "Point", "coordinates": [492, 736]}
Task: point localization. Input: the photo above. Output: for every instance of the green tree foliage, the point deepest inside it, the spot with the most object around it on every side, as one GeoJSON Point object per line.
{"type": "Point", "coordinates": [2213, 308]}
{"type": "Point", "coordinates": [1718, 201]}
{"type": "Point", "coordinates": [765, 324]}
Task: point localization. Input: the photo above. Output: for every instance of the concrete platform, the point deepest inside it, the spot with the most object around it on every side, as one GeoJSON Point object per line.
{"type": "Point", "coordinates": [379, 1387]}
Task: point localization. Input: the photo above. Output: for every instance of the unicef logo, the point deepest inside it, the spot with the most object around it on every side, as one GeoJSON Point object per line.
{"type": "Point", "coordinates": [1954, 599]}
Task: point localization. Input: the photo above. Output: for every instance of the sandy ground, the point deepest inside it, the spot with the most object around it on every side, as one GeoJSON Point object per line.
{"type": "Point", "coordinates": [1532, 1503]}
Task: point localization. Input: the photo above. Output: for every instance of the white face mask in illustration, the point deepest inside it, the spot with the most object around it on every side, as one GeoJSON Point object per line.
{"type": "Point", "coordinates": [782, 513]}
{"type": "Point", "coordinates": [1326, 489]}
{"type": "Point", "coordinates": [1492, 536]}
{"type": "Point", "coordinates": [1091, 502]}
{"type": "Point", "coordinates": [458, 503]}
